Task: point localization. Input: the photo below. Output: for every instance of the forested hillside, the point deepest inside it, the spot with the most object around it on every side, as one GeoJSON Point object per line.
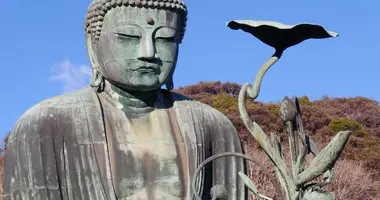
{"type": "Point", "coordinates": [322, 118]}
{"type": "Point", "coordinates": [358, 170]}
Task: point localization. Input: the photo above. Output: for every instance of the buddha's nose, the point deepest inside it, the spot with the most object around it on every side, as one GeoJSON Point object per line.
{"type": "Point", "coordinates": [147, 49]}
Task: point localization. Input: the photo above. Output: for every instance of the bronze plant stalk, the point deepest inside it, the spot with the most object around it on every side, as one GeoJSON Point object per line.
{"type": "Point", "coordinates": [294, 182]}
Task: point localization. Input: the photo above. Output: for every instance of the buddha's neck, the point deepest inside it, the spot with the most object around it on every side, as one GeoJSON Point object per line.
{"type": "Point", "coordinates": [136, 102]}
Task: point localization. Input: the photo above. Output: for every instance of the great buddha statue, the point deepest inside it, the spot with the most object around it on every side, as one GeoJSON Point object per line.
{"type": "Point", "coordinates": [124, 137]}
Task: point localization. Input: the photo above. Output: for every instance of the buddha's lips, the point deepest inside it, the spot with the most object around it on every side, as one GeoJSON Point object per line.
{"type": "Point", "coordinates": [147, 69]}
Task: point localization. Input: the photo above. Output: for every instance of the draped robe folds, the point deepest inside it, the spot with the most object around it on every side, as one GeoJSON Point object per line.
{"type": "Point", "coordinates": [58, 150]}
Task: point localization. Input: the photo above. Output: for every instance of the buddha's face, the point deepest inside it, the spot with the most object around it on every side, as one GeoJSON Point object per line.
{"type": "Point", "coordinates": [138, 47]}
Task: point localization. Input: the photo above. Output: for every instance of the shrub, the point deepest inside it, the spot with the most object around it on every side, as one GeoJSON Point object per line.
{"type": "Point", "coordinates": [304, 100]}
{"type": "Point", "coordinates": [343, 124]}
{"type": "Point", "coordinates": [223, 102]}
{"type": "Point", "coordinates": [274, 109]}
{"type": "Point", "coordinates": [314, 118]}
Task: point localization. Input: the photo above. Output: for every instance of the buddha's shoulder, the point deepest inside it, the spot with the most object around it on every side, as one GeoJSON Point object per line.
{"type": "Point", "coordinates": [46, 115]}
{"type": "Point", "coordinates": [61, 104]}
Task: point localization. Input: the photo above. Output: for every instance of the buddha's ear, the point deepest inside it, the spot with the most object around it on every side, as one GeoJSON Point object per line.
{"type": "Point", "coordinates": [169, 83]}
{"type": "Point", "coordinates": [97, 77]}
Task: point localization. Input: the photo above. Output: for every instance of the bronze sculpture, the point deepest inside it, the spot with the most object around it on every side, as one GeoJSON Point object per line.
{"type": "Point", "coordinates": [296, 182]}
{"type": "Point", "coordinates": [124, 137]}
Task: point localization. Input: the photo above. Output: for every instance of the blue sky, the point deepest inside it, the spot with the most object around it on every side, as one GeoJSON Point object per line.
{"type": "Point", "coordinates": [44, 53]}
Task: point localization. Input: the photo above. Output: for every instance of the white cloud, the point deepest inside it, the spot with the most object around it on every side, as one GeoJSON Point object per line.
{"type": "Point", "coordinates": [72, 76]}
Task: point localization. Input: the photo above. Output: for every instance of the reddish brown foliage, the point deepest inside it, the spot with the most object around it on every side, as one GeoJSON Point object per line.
{"type": "Point", "coordinates": [316, 115]}
{"type": "Point", "coordinates": [1, 175]}
{"type": "Point", "coordinates": [363, 147]}
{"type": "Point", "coordinates": [210, 88]}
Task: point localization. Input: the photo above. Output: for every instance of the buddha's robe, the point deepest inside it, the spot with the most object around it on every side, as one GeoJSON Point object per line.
{"type": "Point", "coordinates": [64, 148]}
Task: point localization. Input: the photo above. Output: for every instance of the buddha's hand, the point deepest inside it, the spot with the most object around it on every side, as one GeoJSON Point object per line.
{"type": "Point", "coordinates": [218, 192]}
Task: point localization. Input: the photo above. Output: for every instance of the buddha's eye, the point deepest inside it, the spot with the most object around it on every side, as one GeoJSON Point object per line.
{"type": "Point", "coordinates": [126, 36]}
{"type": "Point", "coordinates": [166, 34]}
{"type": "Point", "coordinates": [166, 39]}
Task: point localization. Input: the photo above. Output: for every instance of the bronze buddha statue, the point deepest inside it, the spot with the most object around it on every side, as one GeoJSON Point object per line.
{"type": "Point", "coordinates": [124, 137]}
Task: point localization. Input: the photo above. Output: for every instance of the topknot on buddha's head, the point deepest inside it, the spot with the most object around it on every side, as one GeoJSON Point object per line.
{"type": "Point", "coordinates": [99, 8]}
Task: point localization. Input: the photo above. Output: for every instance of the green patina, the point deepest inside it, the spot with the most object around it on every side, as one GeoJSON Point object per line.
{"type": "Point", "coordinates": [124, 137]}
{"type": "Point", "coordinates": [296, 181]}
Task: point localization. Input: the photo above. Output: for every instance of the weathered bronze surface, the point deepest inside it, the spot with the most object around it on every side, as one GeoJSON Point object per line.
{"type": "Point", "coordinates": [124, 137]}
{"type": "Point", "coordinates": [296, 181]}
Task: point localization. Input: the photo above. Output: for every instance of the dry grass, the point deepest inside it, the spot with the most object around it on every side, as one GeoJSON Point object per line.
{"type": "Point", "coordinates": [351, 179]}
{"type": "Point", "coordinates": [262, 182]}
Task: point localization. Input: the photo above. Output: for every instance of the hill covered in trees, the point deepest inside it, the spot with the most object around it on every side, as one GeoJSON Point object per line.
{"type": "Point", "coordinates": [322, 118]}
{"type": "Point", "coordinates": [358, 170]}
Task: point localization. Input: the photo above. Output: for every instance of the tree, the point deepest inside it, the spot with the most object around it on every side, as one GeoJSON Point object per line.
{"type": "Point", "coordinates": [5, 141]}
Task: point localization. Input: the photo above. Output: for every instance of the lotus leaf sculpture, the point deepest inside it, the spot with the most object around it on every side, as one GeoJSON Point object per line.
{"type": "Point", "coordinates": [296, 182]}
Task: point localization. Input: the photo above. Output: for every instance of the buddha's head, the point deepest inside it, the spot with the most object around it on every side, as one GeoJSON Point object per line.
{"type": "Point", "coordinates": [134, 43]}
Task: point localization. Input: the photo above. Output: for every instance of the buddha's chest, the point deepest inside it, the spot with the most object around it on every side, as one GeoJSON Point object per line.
{"type": "Point", "coordinates": [146, 160]}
